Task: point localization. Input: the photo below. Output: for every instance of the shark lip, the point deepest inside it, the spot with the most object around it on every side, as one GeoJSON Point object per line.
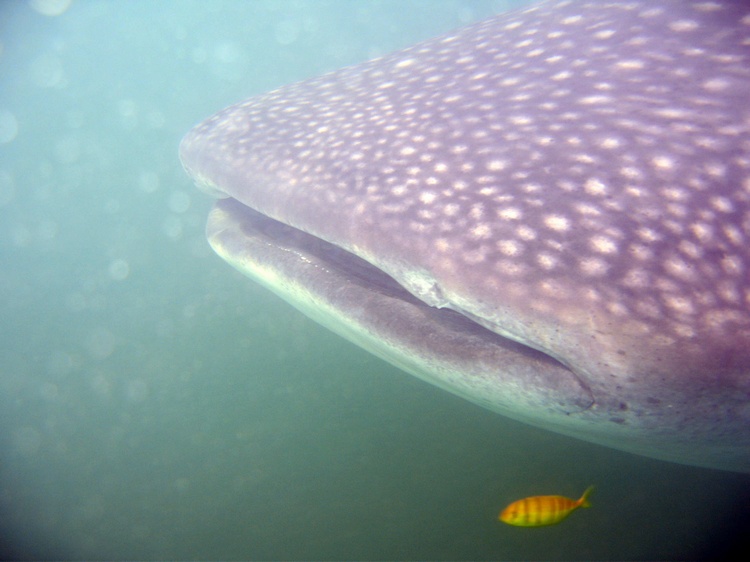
{"type": "Point", "coordinates": [364, 304]}
{"type": "Point", "coordinates": [339, 261]}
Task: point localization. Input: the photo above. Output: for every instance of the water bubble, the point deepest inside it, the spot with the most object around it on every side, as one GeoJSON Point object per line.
{"type": "Point", "coordinates": [75, 119]}
{"type": "Point", "coordinates": [128, 111]}
{"type": "Point", "coordinates": [20, 235]}
{"type": "Point", "coordinates": [68, 150]}
{"type": "Point", "coordinates": [199, 55]}
{"type": "Point", "coordinates": [227, 53]}
{"type": "Point", "coordinates": [287, 32]}
{"type": "Point", "coordinates": [179, 202]}
{"type": "Point", "coordinates": [26, 440]}
{"type": "Point", "coordinates": [60, 363]}
{"type": "Point", "coordinates": [50, 7]}
{"type": "Point", "coordinates": [75, 302]}
{"type": "Point", "coordinates": [43, 193]}
{"type": "Point", "coordinates": [101, 385]}
{"type": "Point", "coordinates": [182, 484]}
{"type": "Point", "coordinates": [156, 119]}
{"type": "Point", "coordinates": [148, 182]}
{"type": "Point", "coordinates": [47, 71]}
{"type": "Point", "coordinates": [137, 390]}
{"type": "Point", "coordinates": [8, 126]}
{"type": "Point", "coordinates": [92, 508]}
{"type": "Point", "coordinates": [47, 230]}
{"type": "Point", "coordinates": [119, 269]}
{"type": "Point", "coordinates": [112, 207]}
{"type": "Point", "coordinates": [172, 227]}
{"type": "Point", "coordinates": [7, 188]}
{"type": "Point", "coordinates": [50, 392]}
{"type": "Point", "coordinates": [165, 328]}
{"type": "Point", "coordinates": [228, 61]}
{"type": "Point", "coordinates": [101, 343]}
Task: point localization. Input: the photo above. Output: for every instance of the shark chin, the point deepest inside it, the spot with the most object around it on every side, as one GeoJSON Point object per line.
{"type": "Point", "coordinates": [546, 213]}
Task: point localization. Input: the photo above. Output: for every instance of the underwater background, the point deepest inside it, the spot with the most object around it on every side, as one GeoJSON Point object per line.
{"type": "Point", "coordinates": [155, 404]}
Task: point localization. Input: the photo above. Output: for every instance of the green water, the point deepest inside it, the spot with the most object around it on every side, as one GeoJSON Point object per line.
{"type": "Point", "coordinates": [154, 404]}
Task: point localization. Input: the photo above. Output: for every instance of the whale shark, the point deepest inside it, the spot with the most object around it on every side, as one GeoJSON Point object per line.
{"type": "Point", "coordinates": [546, 212]}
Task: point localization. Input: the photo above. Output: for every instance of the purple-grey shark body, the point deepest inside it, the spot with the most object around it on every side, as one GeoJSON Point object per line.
{"type": "Point", "coordinates": [547, 212]}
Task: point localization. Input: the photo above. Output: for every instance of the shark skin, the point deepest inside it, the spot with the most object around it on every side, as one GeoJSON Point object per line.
{"type": "Point", "coordinates": [546, 212]}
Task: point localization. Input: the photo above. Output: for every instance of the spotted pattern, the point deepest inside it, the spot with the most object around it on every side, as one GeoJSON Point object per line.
{"type": "Point", "coordinates": [575, 176]}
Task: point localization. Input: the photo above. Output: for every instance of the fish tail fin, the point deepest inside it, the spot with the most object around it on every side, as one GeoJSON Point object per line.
{"type": "Point", "coordinates": [584, 501]}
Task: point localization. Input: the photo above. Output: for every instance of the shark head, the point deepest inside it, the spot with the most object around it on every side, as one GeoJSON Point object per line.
{"type": "Point", "coordinates": [547, 212]}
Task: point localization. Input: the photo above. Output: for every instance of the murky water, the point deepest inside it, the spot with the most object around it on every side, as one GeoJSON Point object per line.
{"type": "Point", "coordinates": [154, 404]}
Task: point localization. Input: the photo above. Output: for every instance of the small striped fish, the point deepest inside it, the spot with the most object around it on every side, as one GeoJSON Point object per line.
{"type": "Point", "coordinates": [537, 511]}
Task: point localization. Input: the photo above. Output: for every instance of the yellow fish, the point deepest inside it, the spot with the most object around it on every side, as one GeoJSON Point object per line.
{"type": "Point", "coordinates": [537, 511]}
